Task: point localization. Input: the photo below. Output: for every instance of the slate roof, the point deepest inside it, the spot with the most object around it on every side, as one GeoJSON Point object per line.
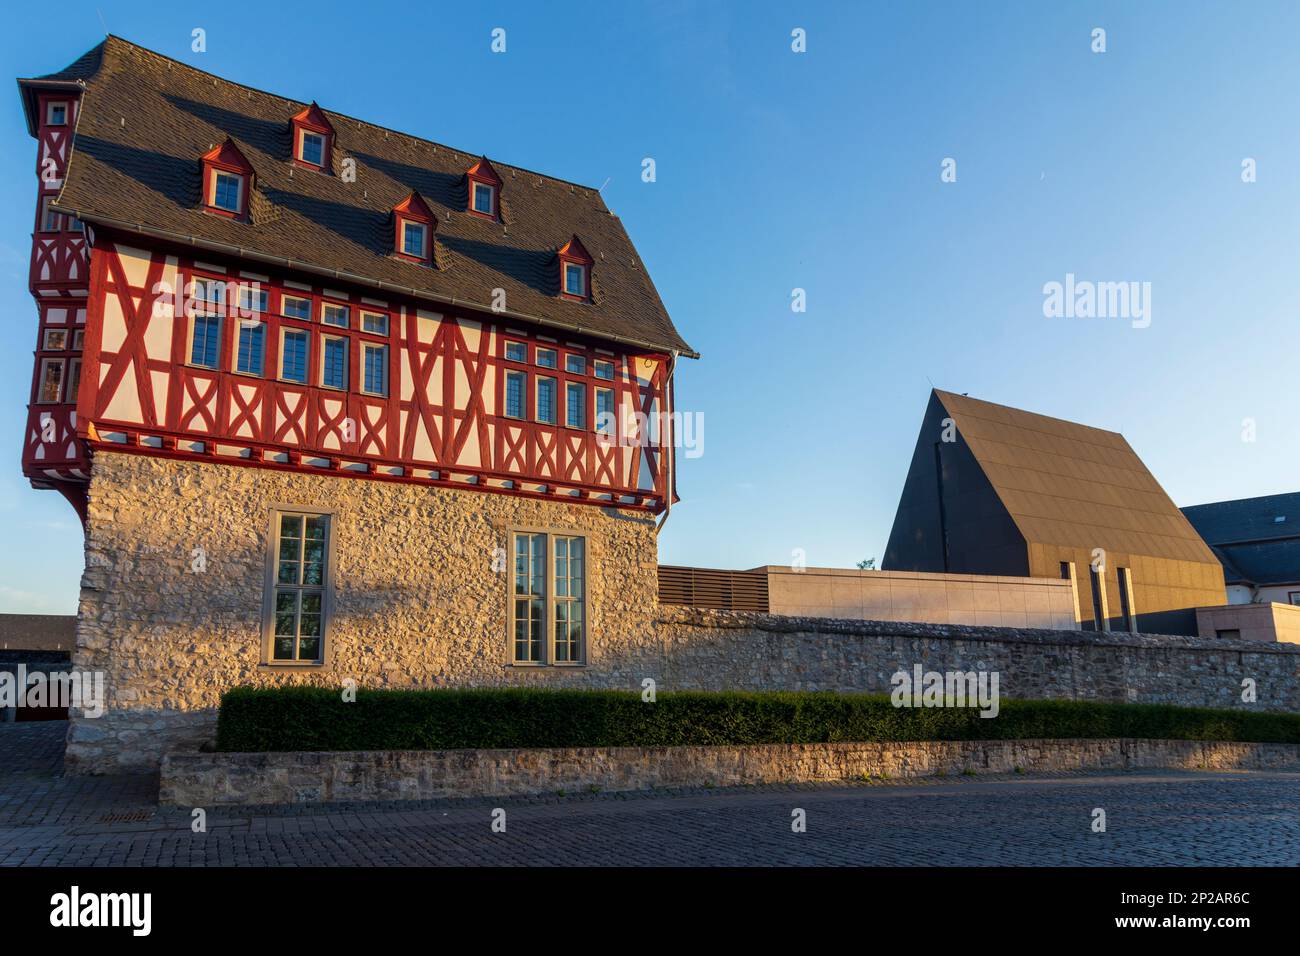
{"type": "Point", "coordinates": [145, 120]}
{"type": "Point", "coordinates": [1254, 547]}
{"type": "Point", "coordinates": [1070, 484]}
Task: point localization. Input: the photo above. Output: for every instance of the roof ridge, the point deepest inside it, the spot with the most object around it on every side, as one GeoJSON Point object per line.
{"type": "Point", "coordinates": [353, 119]}
{"type": "Point", "coordinates": [1024, 411]}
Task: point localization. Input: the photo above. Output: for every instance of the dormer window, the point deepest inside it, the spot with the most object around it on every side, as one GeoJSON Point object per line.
{"type": "Point", "coordinates": [575, 271]}
{"type": "Point", "coordinates": [227, 180]}
{"type": "Point", "coordinates": [413, 239]}
{"type": "Point", "coordinates": [227, 191]}
{"type": "Point", "coordinates": [313, 139]}
{"type": "Point", "coordinates": [56, 114]}
{"type": "Point", "coordinates": [414, 225]}
{"type": "Point", "coordinates": [575, 279]}
{"type": "Point", "coordinates": [484, 190]}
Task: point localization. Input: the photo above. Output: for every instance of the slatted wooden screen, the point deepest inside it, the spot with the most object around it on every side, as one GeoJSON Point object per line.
{"type": "Point", "coordinates": [720, 590]}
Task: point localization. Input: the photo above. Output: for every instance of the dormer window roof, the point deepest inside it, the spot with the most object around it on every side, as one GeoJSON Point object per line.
{"type": "Point", "coordinates": [575, 271]}
{"type": "Point", "coordinates": [227, 181]}
{"type": "Point", "coordinates": [413, 224]}
{"type": "Point", "coordinates": [313, 139]}
{"type": "Point", "coordinates": [484, 190]}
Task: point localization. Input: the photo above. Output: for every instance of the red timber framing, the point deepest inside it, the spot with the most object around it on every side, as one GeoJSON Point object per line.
{"type": "Point", "coordinates": [483, 173]}
{"type": "Point", "coordinates": [53, 456]}
{"type": "Point", "coordinates": [312, 121]}
{"type": "Point", "coordinates": [440, 420]}
{"type": "Point", "coordinates": [227, 158]}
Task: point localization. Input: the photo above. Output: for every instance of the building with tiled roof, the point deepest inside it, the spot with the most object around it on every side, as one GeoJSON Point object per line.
{"type": "Point", "coordinates": [998, 490]}
{"type": "Point", "coordinates": [1257, 540]}
{"type": "Point", "coordinates": [332, 398]}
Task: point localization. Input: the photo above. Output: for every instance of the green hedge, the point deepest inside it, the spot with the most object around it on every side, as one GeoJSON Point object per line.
{"type": "Point", "coordinates": [311, 718]}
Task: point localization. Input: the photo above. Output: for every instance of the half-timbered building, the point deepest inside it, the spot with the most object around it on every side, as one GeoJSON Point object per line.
{"type": "Point", "coordinates": [332, 401]}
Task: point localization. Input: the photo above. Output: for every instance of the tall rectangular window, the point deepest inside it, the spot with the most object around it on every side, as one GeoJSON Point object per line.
{"type": "Point", "coordinates": [529, 598]}
{"type": "Point", "coordinates": [1098, 582]}
{"type": "Point", "coordinates": [515, 385]}
{"type": "Point", "coordinates": [575, 405]}
{"type": "Point", "coordinates": [413, 239]}
{"type": "Point", "coordinates": [250, 356]}
{"type": "Point", "coordinates": [313, 148]}
{"type": "Point", "coordinates": [375, 359]}
{"type": "Point", "coordinates": [546, 400]}
{"type": "Point", "coordinates": [570, 576]}
{"type": "Point", "coordinates": [51, 381]}
{"type": "Point", "coordinates": [1126, 599]}
{"type": "Point", "coordinates": [206, 343]}
{"type": "Point", "coordinates": [605, 411]}
{"type": "Point", "coordinates": [334, 362]}
{"type": "Point", "coordinates": [293, 356]}
{"type": "Point", "coordinates": [74, 379]}
{"type": "Point", "coordinates": [51, 221]}
{"type": "Point", "coordinates": [299, 579]}
{"type": "Point", "coordinates": [548, 593]}
{"type": "Point", "coordinates": [225, 192]}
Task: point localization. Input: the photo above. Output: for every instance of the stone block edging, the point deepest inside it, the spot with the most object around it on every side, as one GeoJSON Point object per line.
{"type": "Point", "coordinates": [215, 779]}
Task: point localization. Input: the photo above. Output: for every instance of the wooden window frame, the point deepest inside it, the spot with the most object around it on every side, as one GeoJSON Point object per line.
{"type": "Point", "coordinates": [325, 338]}
{"type": "Point", "coordinates": [388, 365]}
{"type": "Point", "coordinates": [285, 332]}
{"type": "Point", "coordinates": [248, 325]}
{"type": "Point", "coordinates": [40, 381]}
{"type": "Point", "coordinates": [548, 600]}
{"type": "Point", "coordinates": [271, 584]}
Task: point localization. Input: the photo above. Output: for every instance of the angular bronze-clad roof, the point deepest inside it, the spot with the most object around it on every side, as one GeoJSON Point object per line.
{"type": "Point", "coordinates": [1065, 483]}
{"type": "Point", "coordinates": [145, 120]}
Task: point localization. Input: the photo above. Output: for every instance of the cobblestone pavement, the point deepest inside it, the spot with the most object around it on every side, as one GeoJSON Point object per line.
{"type": "Point", "coordinates": [1160, 818]}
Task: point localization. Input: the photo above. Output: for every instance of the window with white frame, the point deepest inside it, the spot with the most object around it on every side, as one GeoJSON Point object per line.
{"type": "Point", "coordinates": [516, 352]}
{"type": "Point", "coordinates": [295, 307]}
{"type": "Point", "coordinates": [334, 362]}
{"type": "Point", "coordinates": [333, 314]}
{"type": "Point", "coordinates": [575, 279]}
{"type": "Point", "coordinates": [298, 598]}
{"type": "Point", "coordinates": [413, 243]}
{"type": "Point", "coordinates": [250, 348]}
{"type": "Point", "coordinates": [516, 384]}
{"type": "Point", "coordinates": [376, 323]}
{"type": "Point", "coordinates": [546, 400]}
{"type": "Point", "coordinates": [227, 191]}
{"type": "Point", "coordinates": [293, 355]}
{"type": "Point", "coordinates": [311, 148]}
{"type": "Point", "coordinates": [575, 364]}
{"type": "Point", "coordinates": [374, 359]}
{"type": "Point", "coordinates": [56, 340]}
{"type": "Point", "coordinates": [75, 225]}
{"type": "Point", "coordinates": [56, 114]}
{"type": "Point", "coordinates": [205, 329]}
{"type": "Point", "coordinates": [484, 199]}
{"type": "Point", "coordinates": [604, 369]}
{"type": "Point", "coordinates": [51, 221]}
{"type": "Point", "coordinates": [548, 598]}
{"type": "Point", "coordinates": [546, 358]}
{"type": "Point", "coordinates": [252, 300]}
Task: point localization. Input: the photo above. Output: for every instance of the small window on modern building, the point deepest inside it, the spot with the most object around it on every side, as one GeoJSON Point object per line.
{"type": "Point", "coordinates": [334, 362]}
{"type": "Point", "coordinates": [1228, 634]}
{"type": "Point", "coordinates": [1126, 599]}
{"type": "Point", "coordinates": [51, 382]}
{"type": "Point", "coordinates": [299, 579]}
{"type": "Point", "coordinates": [546, 400]}
{"type": "Point", "coordinates": [1098, 581]}
{"type": "Point", "coordinates": [548, 590]}
{"type": "Point", "coordinates": [516, 385]}
{"type": "Point", "coordinates": [293, 355]}
{"type": "Point", "coordinates": [375, 361]}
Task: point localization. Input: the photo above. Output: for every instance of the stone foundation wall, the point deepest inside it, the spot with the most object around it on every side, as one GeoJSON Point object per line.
{"type": "Point", "coordinates": [206, 780]}
{"type": "Point", "coordinates": [418, 604]}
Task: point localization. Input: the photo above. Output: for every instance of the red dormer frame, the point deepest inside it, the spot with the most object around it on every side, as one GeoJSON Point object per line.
{"type": "Point", "coordinates": [312, 121]}
{"type": "Point", "coordinates": [414, 210]}
{"type": "Point", "coordinates": [574, 253]}
{"type": "Point", "coordinates": [482, 174]}
{"type": "Point", "coordinates": [226, 159]}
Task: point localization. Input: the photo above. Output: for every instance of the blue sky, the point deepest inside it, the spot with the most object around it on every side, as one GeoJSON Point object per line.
{"type": "Point", "coordinates": [820, 170]}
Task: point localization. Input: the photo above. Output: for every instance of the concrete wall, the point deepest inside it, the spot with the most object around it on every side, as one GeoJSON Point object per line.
{"type": "Point", "coordinates": [917, 596]}
{"type": "Point", "coordinates": [207, 780]}
{"type": "Point", "coordinates": [1255, 622]}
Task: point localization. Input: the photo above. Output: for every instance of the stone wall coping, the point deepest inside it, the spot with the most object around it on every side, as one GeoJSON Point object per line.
{"type": "Point", "coordinates": [784, 624]}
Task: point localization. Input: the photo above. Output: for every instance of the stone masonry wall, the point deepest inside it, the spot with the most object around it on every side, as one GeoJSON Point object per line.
{"type": "Point", "coordinates": [418, 604]}
{"type": "Point", "coordinates": [205, 780]}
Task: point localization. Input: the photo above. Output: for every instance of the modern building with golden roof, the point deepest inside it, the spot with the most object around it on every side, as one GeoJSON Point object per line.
{"type": "Point", "coordinates": [998, 490]}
